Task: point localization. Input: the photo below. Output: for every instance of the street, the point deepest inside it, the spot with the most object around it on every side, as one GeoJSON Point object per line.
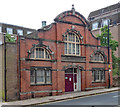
{"type": "Point", "coordinates": [107, 100]}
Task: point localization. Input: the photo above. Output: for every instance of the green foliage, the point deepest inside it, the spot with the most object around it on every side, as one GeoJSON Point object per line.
{"type": "Point", "coordinates": [2, 95]}
{"type": "Point", "coordinates": [113, 45]}
{"type": "Point", "coordinates": [9, 38]}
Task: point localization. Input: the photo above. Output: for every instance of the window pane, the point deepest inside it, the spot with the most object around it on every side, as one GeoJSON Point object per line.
{"type": "Point", "coordinates": [47, 55]}
{"type": "Point", "coordinates": [92, 75]}
{"type": "Point", "coordinates": [94, 25]}
{"type": "Point", "coordinates": [105, 22]}
{"type": "Point", "coordinates": [73, 48]}
{"type": "Point", "coordinates": [65, 48]}
{"type": "Point", "coordinates": [48, 76]}
{"type": "Point", "coordinates": [65, 37]}
{"type": "Point", "coordinates": [9, 30]}
{"type": "Point", "coordinates": [77, 49]}
{"type": "Point", "coordinates": [32, 76]}
{"type": "Point", "coordinates": [77, 39]}
{"type": "Point", "coordinates": [20, 32]}
{"type": "Point", "coordinates": [37, 53]}
{"type": "Point", "coordinates": [69, 37]}
{"type": "Point", "coordinates": [40, 76]}
{"type": "Point", "coordinates": [73, 38]}
{"type": "Point", "coordinates": [103, 75]}
{"type": "Point", "coordinates": [69, 48]}
{"type": "Point", "coordinates": [41, 53]}
{"type": "Point", "coordinates": [98, 74]}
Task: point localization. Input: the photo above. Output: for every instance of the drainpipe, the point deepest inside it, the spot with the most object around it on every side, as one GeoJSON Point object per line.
{"type": "Point", "coordinates": [57, 57]}
{"type": "Point", "coordinates": [108, 58]}
{"type": "Point", "coordinates": [19, 66]}
{"type": "Point", "coordinates": [5, 87]}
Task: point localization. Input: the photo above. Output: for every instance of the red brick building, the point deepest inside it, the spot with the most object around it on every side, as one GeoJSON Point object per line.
{"type": "Point", "coordinates": [62, 57]}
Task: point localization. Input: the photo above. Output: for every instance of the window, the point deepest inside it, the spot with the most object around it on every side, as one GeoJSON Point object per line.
{"type": "Point", "coordinates": [40, 76]}
{"type": "Point", "coordinates": [0, 29]}
{"type": "Point", "coordinates": [98, 75]}
{"type": "Point", "coordinates": [97, 57]}
{"type": "Point", "coordinates": [20, 32]}
{"type": "Point", "coordinates": [95, 25]}
{"type": "Point", "coordinates": [71, 44]}
{"type": "Point", "coordinates": [28, 32]}
{"type": "Point", "coordinates": [40, 53]}
{"type": "Point", "coordinates": [105, 22]}
{"type": "Point", "coordinates": [9, 30]}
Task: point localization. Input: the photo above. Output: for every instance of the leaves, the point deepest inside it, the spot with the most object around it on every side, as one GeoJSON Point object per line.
{"type": "Point", "coordinates": [9, 38]}
{"type": "Point", "coordinates": [113, 45]}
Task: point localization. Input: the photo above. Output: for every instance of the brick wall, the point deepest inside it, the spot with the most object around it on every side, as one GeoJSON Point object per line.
{"type": "Point", "coordinates": [53, 38]}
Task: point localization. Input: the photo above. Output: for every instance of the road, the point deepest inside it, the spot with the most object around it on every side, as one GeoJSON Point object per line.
{"type": "Point", "coordinates": [107, 100]}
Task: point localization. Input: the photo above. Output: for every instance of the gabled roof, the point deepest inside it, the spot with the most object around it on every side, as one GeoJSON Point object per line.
{"type": "Point", "coordinates": [61, 16]}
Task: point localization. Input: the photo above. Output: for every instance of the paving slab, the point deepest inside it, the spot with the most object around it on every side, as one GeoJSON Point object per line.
{"type": "Point", "coordinates": [71, 95]}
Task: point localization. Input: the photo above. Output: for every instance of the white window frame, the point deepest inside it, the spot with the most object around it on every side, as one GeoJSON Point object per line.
{"type": "Point", "coordinates": [45, 76]}
{"type": "Point", "coordinates": [97, 58]}
{"type": "Point", "coordinates": [20, 32]}
{"type": "Point", "coordinates": [34, 53]}
{"type": "Point", "coordinates": [9, 30]}
{"type": "Point", "coordinates": [105, 22]}
{"type": "Point", "coordinates": [94, 25]}
{"type": "Point", "coordinates": [69, 42]}
{"type": "Point", "coordinates": [97, 73]}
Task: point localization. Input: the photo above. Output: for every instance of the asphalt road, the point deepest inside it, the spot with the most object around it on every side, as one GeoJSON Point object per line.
{"type": "Point", "coordinates": [103, 100]}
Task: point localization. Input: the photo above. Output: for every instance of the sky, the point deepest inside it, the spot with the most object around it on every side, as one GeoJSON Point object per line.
{"type": "Point", "coordinates": [31, 13]}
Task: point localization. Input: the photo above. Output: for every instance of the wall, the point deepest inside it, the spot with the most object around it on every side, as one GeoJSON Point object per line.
{"type": "Point", "coordinates": [11, 58]}
{"type": "Point", "coordinates": [11, 71]}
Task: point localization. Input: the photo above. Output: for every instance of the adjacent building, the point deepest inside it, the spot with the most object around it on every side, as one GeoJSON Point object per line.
{"type": "Point", "coordinates": [101, 17]}
{"type": "Point", "coordinates": [13, 30]}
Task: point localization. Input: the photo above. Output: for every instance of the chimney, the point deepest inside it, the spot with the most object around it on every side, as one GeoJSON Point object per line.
{"type": "Point", "coordinates": [43, 23]}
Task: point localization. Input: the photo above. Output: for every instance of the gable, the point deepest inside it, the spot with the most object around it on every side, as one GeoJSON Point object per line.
{"type": "Point", "coordinates": [72, 17]}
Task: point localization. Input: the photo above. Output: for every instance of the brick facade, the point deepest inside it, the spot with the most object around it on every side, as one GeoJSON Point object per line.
{"type": "Point", "coordinates": [51, 38]}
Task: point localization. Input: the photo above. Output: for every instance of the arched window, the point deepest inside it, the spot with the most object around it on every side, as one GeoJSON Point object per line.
{"type": "Point", "coordinates": [71, 44]}
{"type": "Point", "coordinates": [97, 57]}
{"type": "Point", "coordinates": [40, 53]}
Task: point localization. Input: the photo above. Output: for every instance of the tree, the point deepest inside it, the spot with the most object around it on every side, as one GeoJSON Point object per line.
{"type": "Point", "coordinates": [113, 45]}
{"type": "Point", "coordinates": [9, 38]}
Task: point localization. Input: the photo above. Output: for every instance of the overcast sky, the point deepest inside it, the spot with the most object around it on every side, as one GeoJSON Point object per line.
{"type": "Point", "coordinates": [30, 13]}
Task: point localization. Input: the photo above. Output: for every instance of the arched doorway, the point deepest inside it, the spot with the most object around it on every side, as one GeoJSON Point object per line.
{"type": "Point", "coordinates": [72, 79]}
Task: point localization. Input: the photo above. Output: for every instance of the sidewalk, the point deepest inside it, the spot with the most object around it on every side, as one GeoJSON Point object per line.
{"type": "Point", "coordinates": [48, 99]}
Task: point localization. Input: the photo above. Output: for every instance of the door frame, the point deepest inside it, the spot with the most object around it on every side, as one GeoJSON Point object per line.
{"type": "Point", "coordinates": [78, 79]}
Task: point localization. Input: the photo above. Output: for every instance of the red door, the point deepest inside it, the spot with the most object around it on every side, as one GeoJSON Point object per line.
{"type": "Point", "coordinates": [69, 82]}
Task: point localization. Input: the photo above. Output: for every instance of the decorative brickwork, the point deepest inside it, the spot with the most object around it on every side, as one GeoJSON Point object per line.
{"type": "Point", "coordinates": [62, 65]}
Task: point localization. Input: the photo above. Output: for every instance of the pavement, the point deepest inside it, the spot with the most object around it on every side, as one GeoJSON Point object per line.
{"type": "Point", "coordinates": [48, 99]}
